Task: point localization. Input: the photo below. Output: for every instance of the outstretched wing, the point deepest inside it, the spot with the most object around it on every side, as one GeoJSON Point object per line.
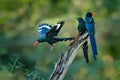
{"type": "Point", "coordinates": [55, 30]}
{"type": "Point", "coordinates": [44, 28]}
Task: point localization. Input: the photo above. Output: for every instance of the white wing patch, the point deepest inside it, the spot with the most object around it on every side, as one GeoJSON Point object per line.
{"type": "Point", "coordinates": [44, 26]}
{"type": "Point", "coordinates": [39, 30]}
{"type": "Point", "coordinates": [58, 25]}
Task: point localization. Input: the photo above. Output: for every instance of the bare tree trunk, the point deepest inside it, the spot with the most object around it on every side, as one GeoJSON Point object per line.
{"type": "Point", "coordinates": [67, 58]}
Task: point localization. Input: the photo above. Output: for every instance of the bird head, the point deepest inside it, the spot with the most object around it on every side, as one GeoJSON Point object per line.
{"type": "Point", "coordinates": [80, 19]}
{"type": "Point", "coordinates": [90, 14]}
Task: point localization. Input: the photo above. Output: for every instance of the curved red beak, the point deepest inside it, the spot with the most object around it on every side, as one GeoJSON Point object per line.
{"type": "Point", "coordinates": [35, 43]}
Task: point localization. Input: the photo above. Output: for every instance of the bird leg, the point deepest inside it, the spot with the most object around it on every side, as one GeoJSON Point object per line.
{"type": "Point", "coordinates": [52, 46]}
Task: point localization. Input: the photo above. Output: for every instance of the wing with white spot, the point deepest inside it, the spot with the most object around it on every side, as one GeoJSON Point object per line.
{"type": "Point", "coordinates": [55, 30]}
{"type": "Point", "coordinates": [44, 28]}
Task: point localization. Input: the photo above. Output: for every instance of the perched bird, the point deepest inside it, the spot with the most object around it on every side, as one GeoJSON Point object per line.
{"type": "Point", "coordinates": [47, 33]}
{"type": "Point", "coordinates": [82, 30]}
{"type": "Point", "coordinates": [90, 26]}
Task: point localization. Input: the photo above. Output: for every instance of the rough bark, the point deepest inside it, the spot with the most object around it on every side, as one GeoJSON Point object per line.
{"type": "Point", "coordinates": [63, 64]}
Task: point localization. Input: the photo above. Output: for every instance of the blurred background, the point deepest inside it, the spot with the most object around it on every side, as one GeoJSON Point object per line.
{"type": "Point", "coordinates": [19, 20]}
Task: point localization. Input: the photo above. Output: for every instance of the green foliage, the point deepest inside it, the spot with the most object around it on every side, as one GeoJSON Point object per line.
{"type": "Point", "coordinates": [14, 62]}
{"type": "Point", "coordinates": [33, 75]}
{"type": "Point", "coordinates": [19, 20]}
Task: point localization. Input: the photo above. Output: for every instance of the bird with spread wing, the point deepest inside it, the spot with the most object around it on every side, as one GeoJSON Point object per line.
{"type": "Point", "coordinates": [48, 32]}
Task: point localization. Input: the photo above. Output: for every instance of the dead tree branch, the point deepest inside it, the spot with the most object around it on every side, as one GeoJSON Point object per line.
{"type": "Point", "coordinates": [67, 58]}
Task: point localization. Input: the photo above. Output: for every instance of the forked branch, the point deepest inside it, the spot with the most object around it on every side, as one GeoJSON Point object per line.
{"type": "Point", "coordinates": [67, 58]}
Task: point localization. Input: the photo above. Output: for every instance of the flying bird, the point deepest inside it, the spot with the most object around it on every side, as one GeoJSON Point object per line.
{"type": "Point", "coordinates": [90, 26]}
{"type": "Point", "coordinates": [48, 32]}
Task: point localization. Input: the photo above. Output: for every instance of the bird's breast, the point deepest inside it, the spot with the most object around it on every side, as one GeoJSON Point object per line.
{"type": "Point", "coordinates": [90, 28]}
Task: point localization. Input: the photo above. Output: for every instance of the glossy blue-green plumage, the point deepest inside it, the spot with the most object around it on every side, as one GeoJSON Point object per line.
{"type": "Point", "coordinates": [81, 25]}
{"type": "Point", "coordinates": [82, 29]}
{"type": "Point", "coordinates": [47, 33]}
{"type": "Point", "coordinates": [42, 31]}
{"type": "Point", "coordinates": [89, 23]}
{"type": "Point", "coordinates": [90, 26]}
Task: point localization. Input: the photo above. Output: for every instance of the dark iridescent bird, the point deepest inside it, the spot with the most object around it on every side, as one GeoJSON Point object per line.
{"type": "Point", "coordinates": [90, 26]}
{"type": "Point", "coordinates": [47, 33]}
{"type": "Point", "coordinates": [82, 30]}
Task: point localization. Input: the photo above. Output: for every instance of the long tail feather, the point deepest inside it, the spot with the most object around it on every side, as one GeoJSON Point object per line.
{"type": "Point", "coordinates": [93, 45]}
{"type": "Point", "coordinates": [64, 39]}
{"type": "Point", "coordinates": [85, 51]}
{"type": "Point", "coordinates": [54, 40]}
